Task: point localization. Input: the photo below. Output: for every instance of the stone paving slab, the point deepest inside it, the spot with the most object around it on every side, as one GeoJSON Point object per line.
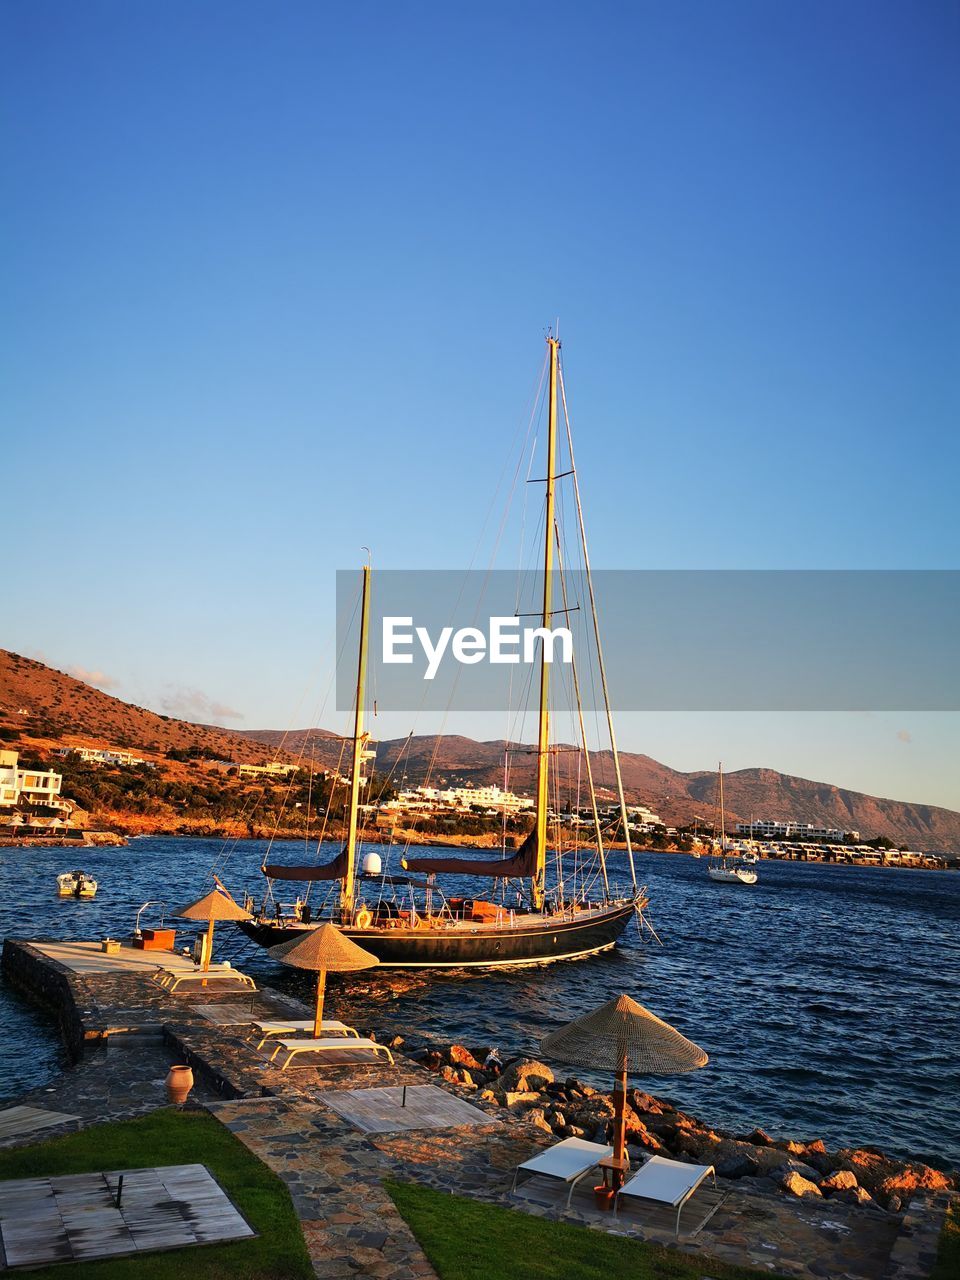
{"type": "Point", "coordinates": [18, 1122]}
{"type": "Point", "coordinates": [76, 1217]}
{"type": "Point", "coordinates": [390, 1110]}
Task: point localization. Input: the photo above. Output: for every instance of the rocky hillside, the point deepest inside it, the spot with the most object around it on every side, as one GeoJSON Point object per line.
{"type": "Point", "coordinates": [39, 705]}
{"type": "Point", "coordinates": [44, 705]}
{"type": "Point", "coordinates": [677, 797]}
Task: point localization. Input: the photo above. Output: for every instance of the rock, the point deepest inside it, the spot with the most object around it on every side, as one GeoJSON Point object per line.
{"type": "Point", "coordinates": [815, 1147]}
{"type": "Point", "coordinates": [794, 1148]}
{"type": "Point", "coordinates": [759, 1138]}
{"type": "Point", "coordinates": [894, 1204]}
{"type": "Point", "coordinates": [574, 1131]}
{"type": "Point", "coordinates": [519, 1100]}
{"type": "Point", "coordinates": [805, 1171]}
{"type": "Point", "coordinates": [450, 1074]}
{"type": "Point", "coordinates": [842, 1180]}
{"type": "Point", "coordinates": [395, 1043]}
{"type": "Point", "coordinates": [487, 1095]}
{"type": "Point", "coordinates": [465, 1078]}
{"type": "Point", "coordinates": [558, 1119]}
{"type": "Point", "coordinates": [536, 1117]}
{"type": "Point", "coordinates": [856, 1195]}
{"type": "Point", "coordinates": [430, 1058]}
{"type": "Point", "coordinates": [796, 1185]}
{"type": "Point", "coordinates": [458, 1056]}
{"type": "Point", "coordinates": [911, 1179]}
{"type": "Point", "coordinates": [884, 1177]}
{"type": "Point", "coordinates": [740, 1165]}
{"type": "Point", "coordinates": [644, 1103]}
{"type": "Point", "coordinates": [525, 1075]}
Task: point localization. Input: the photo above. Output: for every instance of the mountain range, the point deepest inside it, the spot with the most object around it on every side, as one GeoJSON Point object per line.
{"type": "Point", "coordinates": [42, 707]}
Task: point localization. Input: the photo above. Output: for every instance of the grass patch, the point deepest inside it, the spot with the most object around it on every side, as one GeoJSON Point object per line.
{"type": "Point", "coordinates": [177, 1137]}
{"type": "Point", "coordinates": [469, 1240]}
{"type": "Point", "coordinates": [947, 1266]}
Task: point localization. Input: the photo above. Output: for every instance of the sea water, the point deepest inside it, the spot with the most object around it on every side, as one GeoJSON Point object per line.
{"type": "Point", "coordinates": [827, 998]}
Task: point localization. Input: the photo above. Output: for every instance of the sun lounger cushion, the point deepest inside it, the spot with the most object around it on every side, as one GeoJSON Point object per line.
{"type": "Point", "coordinates": [567, 1159]}
{"type": "Point", "coordinates": [667, 1181]}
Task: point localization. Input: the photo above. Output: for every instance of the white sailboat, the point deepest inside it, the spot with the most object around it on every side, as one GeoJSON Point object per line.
{"type": "Point", "coordinates": [723, 868]}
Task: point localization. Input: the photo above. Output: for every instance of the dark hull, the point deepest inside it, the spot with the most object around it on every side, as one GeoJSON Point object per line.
{"type": "Point", "coordinates": [482, 946]}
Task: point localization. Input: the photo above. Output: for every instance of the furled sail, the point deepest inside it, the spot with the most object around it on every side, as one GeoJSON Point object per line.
{"type": "Point", "coordinates": [521, 863]}
{"type": "Point", "coordinates": [334, 870]}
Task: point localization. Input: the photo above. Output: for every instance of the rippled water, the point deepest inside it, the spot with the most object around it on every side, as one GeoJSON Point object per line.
{"type": "Point", "coordinates": [828, 998]}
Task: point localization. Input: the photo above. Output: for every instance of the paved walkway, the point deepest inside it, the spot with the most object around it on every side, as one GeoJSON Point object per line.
{"type": "Point", "coordinates": [334, 1177]}
{"type": "Point", "coordinates": [335, 1171]}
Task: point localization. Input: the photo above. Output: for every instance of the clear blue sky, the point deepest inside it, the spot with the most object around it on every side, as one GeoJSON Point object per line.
{"type": "Point", "coordinates": [276, 283]}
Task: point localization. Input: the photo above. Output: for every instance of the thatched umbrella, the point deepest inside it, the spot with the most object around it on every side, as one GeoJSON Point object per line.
{"type": "Point", "coordinates": [623, 1036]}
{"type": "Point", "coordinates": [323, 949]}
{"type": "Point", "coordinates": [216, 905]}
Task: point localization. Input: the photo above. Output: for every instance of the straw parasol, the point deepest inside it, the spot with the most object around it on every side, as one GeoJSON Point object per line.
{"type": "Point", "coordinates": [623, 1036]}
{"type": "Point", "coordinates": [216, 905]}
{"type": "Point", "coordinates": [324, 949]}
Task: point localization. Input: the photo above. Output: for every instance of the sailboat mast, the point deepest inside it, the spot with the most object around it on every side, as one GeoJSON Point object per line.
{"type": "Point", "coordinates": [723, 824]}
{"type": "Point", "coordinates": [359, 739]}
{"type": "Point", "coordinates": [543, 737]}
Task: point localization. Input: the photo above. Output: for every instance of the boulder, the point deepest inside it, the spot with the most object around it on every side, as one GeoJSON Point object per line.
{"type": "Point", "coordinates": [884, 1177]}
{"type": "Point", "coordinates": [644, 1103]}
{"type": "Point", "coordinates": [458, 1056]}
{"type": "Point", "coordinates": [759, 1138]}
{"type": "Point", "coordinates": [518, 1101]}
{"type": "Point", "coordinates": [796, 1185]}
{"type": "Point", "coordinates": [842, 1180]}
{"type": "Point", "coordinates": [431, 1059]}
{"type": "Point", "coordinates": [816, 1146]}
{"type": "Point", "coordinates": [573, 1131]}
{"type": "Point", "coordinates": [527, 1074]}
{"type": "Point", "coordinates": [487, 1095]}
{"type": "Point", "coordinates": [858, 1195]}
{"type": "Point", "coordinates": [911, 1179]}
{"type": "Point", "coordinates": [738, 1165]}
{"type": "Point", "coordinates": [797, 1166]}
{"type": "Point", "coordinates": [536, 1117]}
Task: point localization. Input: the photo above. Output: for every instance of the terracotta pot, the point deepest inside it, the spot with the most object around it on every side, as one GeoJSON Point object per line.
{"type": "Point", "coordinates": [179, 1082]}
{"type": "Point", "coordinates": [603, 1197]}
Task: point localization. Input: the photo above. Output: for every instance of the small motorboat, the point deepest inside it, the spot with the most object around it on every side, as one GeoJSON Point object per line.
{"type": "Point", "coordinates": [750, 857]}
{"type": "Point", "coordinates": [76, 884]}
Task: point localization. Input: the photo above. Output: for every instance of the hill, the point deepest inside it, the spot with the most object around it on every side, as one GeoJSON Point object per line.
{"type": "Point", "coordinates": [41, 708]}
{"type": "Point", "coordinates": [44, 705]}
{"type": "Point", "coordinates": [678, 797]}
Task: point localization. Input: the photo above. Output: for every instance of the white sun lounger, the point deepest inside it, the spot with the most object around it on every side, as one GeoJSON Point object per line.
{"type": "Point", "coordinates": [568, 1161]}
{"type": "Point", "coordinates": [170, 979]}
{"type": "Point", "coordinates": [293, 1047]}
{"type": "Point", "coordinates": [265, 1030]}
{"type": "Point", "coordinates": [666, 1181]}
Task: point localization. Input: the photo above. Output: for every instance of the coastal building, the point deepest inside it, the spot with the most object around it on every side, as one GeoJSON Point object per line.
{"type": "Point", "coordinates": [26, 789]}
{"type": "Point", "coordinates": [780, 829]}
{"type": "Point", "coordinates": [643, 816]}
{"type": "Point", "coordinates": [461, 798]}
{"type": "Point", "coordinates": [272, 770]}
{"type": "Point", "coordinates": [101, 755]}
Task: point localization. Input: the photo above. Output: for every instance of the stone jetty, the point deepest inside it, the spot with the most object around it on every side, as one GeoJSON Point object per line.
{"type": "Point", "coordinates": [334, 1132]}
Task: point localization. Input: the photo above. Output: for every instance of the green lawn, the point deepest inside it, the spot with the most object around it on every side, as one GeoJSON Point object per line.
{"type": "Point", "coordinates": [177, 1137]}
{"type": "Point", "coordinates": [469, 1240]}
{"type": "Point", "coordinates": [948, 1255]}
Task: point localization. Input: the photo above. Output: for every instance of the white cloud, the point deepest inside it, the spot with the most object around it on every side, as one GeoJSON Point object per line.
{"type": "Point", "coordinates": [182, 701]}
{"type": "Point", "coordinates": [98, 678]}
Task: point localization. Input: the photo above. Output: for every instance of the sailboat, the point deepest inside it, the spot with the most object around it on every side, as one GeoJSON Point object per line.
{"type": "Point", "coordinates": [723, 868]}
{"type": "Point", "coordinates": [427, 930]}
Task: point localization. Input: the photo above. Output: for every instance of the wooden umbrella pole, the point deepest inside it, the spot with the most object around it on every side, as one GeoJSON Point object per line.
{"type": "Point", "coordinates": [620, 1117]}
{"type": "Point", "coordinates": [318, 1016]}
{"type": "Point", "coordinates": [209, 947]}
